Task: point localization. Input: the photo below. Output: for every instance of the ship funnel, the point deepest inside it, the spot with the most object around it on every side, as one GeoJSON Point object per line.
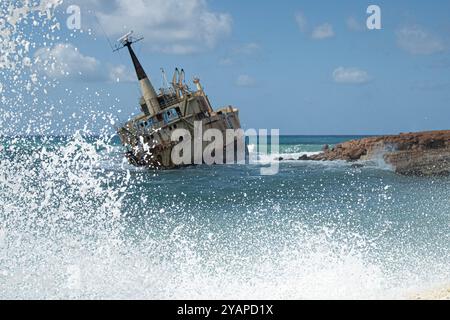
{"type": "Point", "coordinates": [152, 106]}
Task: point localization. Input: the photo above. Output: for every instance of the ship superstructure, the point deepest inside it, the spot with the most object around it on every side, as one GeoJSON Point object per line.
{"type": "Point", "coordinates": [147, 136]}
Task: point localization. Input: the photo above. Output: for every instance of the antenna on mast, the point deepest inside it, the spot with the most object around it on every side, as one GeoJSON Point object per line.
{"type": "Point", "coordinates": [126, 41]}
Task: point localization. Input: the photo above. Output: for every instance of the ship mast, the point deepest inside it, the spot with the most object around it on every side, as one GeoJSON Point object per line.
{"type": "Point", "coordinates": [152, 106]}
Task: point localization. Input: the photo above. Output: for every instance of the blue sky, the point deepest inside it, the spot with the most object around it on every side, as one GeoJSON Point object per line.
{"type": "Point", "coordinates": [305, 67]}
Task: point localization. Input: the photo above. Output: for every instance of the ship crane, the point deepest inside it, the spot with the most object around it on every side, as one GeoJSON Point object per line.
{"type": "Point", "coordinates": [166, 89]}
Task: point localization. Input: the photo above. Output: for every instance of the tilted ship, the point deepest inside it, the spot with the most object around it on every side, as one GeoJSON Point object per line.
{"type": "Point", "coordinates": [147, 136]}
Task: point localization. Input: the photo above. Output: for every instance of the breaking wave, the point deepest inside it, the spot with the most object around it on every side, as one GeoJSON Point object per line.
{"type": "Point", "coordinates": [71, 228]}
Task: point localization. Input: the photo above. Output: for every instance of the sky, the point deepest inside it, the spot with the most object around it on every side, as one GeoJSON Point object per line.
{"type": "Point", "coordinates": [304, 67]}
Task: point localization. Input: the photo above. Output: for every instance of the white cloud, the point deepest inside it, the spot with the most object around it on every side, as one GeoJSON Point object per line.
{"type": "Point", "coordinates": [245, 80]}
{"type": "Point", "coordinates": [169, 26]}
{"type": "Point", "coordinates": [301, 21]}
{"type": "Point", "coordinates": [354, 25]}
{"type": "Point", "coordinates": [415, 40]}
{"type": "Point", "coordinates": [174, 48]}
{"type": "Point", "coordinates": [323, 31]}
{"type": "Point", "coordinates": [350, 76]}
{"type": "Point", "coordinates": [65, 61]}
{"type": "Point", "coordinates": [319, 32]}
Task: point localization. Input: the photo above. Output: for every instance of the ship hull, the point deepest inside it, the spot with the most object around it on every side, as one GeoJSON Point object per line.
{"type": "Point", "coordinates": [153, 148]}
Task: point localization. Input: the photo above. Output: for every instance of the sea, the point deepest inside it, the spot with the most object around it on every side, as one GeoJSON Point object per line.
{"type": "Point", "coordinates": [78, 222]}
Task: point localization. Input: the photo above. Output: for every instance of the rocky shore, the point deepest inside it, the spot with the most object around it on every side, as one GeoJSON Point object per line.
{"type": "Point", "coordinates": [421, 153]}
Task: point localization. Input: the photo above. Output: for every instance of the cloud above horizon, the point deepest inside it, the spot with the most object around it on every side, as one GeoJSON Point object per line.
{"type": "Point", "coordinates": [169, 26]}
{"type": "Point", "coordinates": [65, 61]}
{"type": "Point", "coordinates": [320, 32]}
{"type": "Point", "coordinates": [418, 41]}
{"type": "Point", "coordinates": [351, 75]}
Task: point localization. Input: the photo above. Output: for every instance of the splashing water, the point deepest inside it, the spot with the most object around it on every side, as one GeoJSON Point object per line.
{"type": "Point", "coordinates": [72, 227]}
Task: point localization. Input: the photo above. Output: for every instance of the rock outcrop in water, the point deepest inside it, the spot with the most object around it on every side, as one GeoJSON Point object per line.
{"type": "Point", "coordinates": [422, 153]}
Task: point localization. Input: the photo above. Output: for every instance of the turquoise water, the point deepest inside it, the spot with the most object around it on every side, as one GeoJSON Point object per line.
{"type": "Point", "coordinates": [78, 222]}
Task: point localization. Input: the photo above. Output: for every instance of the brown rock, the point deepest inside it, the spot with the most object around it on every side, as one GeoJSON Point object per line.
{"type": "Point", "coordinates": [422, 153]}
